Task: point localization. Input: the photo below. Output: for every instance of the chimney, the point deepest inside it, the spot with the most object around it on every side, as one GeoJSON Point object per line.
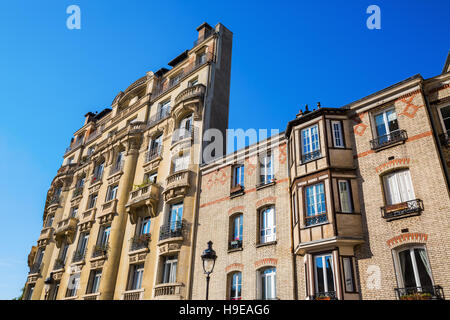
{"type": "Point", "coordinates": [318, 105]}
{"type": "Point", "coordinates": [204, 30]}
{"type": "Point", "coordinates": [89, 117]}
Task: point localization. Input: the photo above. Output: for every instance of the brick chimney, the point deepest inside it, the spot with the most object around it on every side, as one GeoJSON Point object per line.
{"type": "Point", "coordinates": [204, 30]}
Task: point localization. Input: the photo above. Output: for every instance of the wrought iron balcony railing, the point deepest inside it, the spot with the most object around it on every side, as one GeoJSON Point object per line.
{"type": "Point", "coordinates": [160, 116]}
{"type": "Point", "coordinates": [153, 153]}
{"type": "Point", "coordinates": [117, 167]}
{"type": "Point", "coordinates": [388, 139]}
{"type": "Point", "coordinates": [402, 209]}
{"type": "Point", "coordinates": [319, 218]}
{"type": "Point", "coordinates": [100, 250]}
{"type": "Point", "coordinates": [78, 256]}
{"type": "Point", "coordinates": [59, 264]}
{"type": "Point", "coordinates": [205, 36]}
{"type": "Point", "coordinates": [329, 295]}
{"type": "Point", "coordinates": [181, 134]}
{"type": "Point", "coordinates": [139, 242]}
{"type": "Point", "coordinates": [235, 244]}
{"type": "Point", "coordinates": [35, 268]}
{"type": "Point", "coordinates": [420, 293]}
{"type": "Point", "coordinates": [311, 156]}
{"type": "Point", "coordinates": [77, 192]}
{"type": "Point", "coordinates": [171, 230]}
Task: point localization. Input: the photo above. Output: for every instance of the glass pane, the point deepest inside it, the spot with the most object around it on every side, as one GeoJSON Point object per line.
{"type": "Point", "coordinates": [348, 274]}
{"type": "Point", "coordinates": [330, 276]}
{"type": "Point", "coordinates": [320, 285]}
{"type": "Point", "coordinates": [423, 267]}
{"type": "Point", "coordinates": [406, 268]}
{"type": "Point", "coordinates": [380, 125]}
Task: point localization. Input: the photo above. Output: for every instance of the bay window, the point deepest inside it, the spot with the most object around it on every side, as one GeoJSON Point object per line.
{"type": "Point", "coordinates": [310, 143]}
{"type": "Point", "coordinates": [315, 204]}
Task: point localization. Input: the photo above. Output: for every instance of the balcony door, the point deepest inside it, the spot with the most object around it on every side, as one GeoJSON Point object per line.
{"type": "Point", "coordinates": [413, 268]}
{"type": "Point", "coordinates": [176, 216]}
{"type": "Point", "coordinates": [385, 124]}
{"type": "Point", "coordinates": [324, 275]}
{"type": "Point", "coordinates": [398, 187]}
{"type": "Point", "coordinates": [170, 269]}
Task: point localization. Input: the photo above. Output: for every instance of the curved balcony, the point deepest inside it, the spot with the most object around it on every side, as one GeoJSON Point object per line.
{"type": "Point", "coordinates": [168, 291]}
{"type": "Point", "coordinates": [45, 236]}
{"type": "Point", "coordinates": [65, 230]}
{"type": "Point", "coordinates": [177, 185]}
{"type": "Point", "coordinates": [191, 94]}
{"type": "Point", "coordinates": [108, 211]}
{"type": "Point", "coordinates": [143, 202]}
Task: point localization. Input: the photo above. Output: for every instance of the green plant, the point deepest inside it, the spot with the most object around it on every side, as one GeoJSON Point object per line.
{"type": "Point", "coordinates": [21, 295]}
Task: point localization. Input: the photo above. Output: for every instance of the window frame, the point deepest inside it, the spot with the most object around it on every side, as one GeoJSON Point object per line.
{"type": "Point", "coordinates": [238, 284]}
{"type": "Point", "coordinates": [324, 273]}
{"type": "Point", "coordinates": [264, 279]}
{"type": "Point", "coordinates": [311, 144]}
{"type": "Point", "coordinates": [314, 196]}
{"type": "Point", "coordinates": [387, 192]}
{"type": "Point", "coordinates": [239, 177]}
{"type": "Point", "coordinates": [263, 239]}
{"type": "Point", "coordinates": [268, 169]}
{"type": "Point", "coordinates": [341, 133]}
{"type": "Point", "coordinates": [352, 274]}
{"type": "Point", "coordinates": [385, 122]}
{"type": "Point", "coordinates": [349, 195]}
{"type": "Point", "coordinates": [169, 269]}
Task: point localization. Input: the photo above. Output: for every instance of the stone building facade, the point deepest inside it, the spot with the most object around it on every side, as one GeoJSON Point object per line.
{"type": "Point", "coordinates": [349, 203]}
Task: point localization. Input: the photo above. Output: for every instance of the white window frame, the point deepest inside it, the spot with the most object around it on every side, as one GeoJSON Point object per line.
{"type": "Point", "coordinates": [238, 224]}
{"type": "Point", "coordinates": [444, 129]}
{"type": "Point", "coordinates": [239, 175]}
{"type": "Point", "coordinates": [266, 167]}
{"type": "Point", "coordinates": [385, 121]}
{"type": "Point", "coordinates": [315, 203]}
{"type": "Point", "coordinates": [309, 144]}
{"type": "Point", "coordinates": [393, 190]}
{"type": "Point", "coordinates": [324, 272]}
{"type": "Point", "coordinates": [348, 196]}
{"type": "Point", "coordinates": [137, 274]}
{"type": "Point", "coordinates": [337, 133]}
{"type": "Point", "coordinates": [112, 192]}
{"type": "Point", "coordinates": [264, 280]}
{"type": "Point", "coordinates": [143, 227]}
{"type": "Point", "coordinates": [181, 162]}
{"type": "Point", "coordinates": [169, 274]}
{"type": "Point", "coordinates": [267, 225]}
{"type": "Point", "coordinates": [237, 282]}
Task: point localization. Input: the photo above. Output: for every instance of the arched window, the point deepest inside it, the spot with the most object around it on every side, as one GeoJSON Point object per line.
{"type": "Point", "coordinates": [267, 225]}
{"type": "Point", "coordinates": [268, 283]}
{"type": "Point", "coordinates": [237, 225]}
{"type": "Point", "coordinates": [236, 286]}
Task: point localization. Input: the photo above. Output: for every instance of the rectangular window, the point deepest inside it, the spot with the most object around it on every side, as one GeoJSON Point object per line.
{"type": "Point", "coordinates": [349, 281]}
{"type": "Point", "coordinates": [324, 275]}
{"type": "Point", "coordinates": [238, 176]}
{"type": "Point", "coordinates": [119, 161]}
{"type": "Point", "coordinates": [112, 192]}
{"type": "Point", "coordinates": [398, 187]}
{"type": "Point", "coordinates": [345, 196]}
{"type": "Point", "coordinates": [315, 200]}
{"type": "Point", "coordinates": [413, 270]}
{"type": "Point", "coordinates": [164, 109]}
{"type": "Point", "coordinates": [170, 269]}
{"type": "Point", "coordinates": [144, 226]}
{"type": "Point", "coordinates": [49, 220]}
{"type": "Point", "coordinates": [40, 255]}
{"type": "Point", "coordinates": [92, 201]}
{"type": "Point", "coordinates": [268, 226]}
{"type": "Point", "coordinates": [29, 292]}
{"type": "Point", "coordinates": [238, 228]}
{"type": "Point", "coordinates": [82, 244]}
{"type": "Point", "coordinates": [151, 177]}
{"type": "Point", "coordinates": [94, 281]}
{"type": "Point", "coordinates": [74, 212]}
{"type": "Point", "coordinates": [266, 175]}
{"type": "Point", "coordinates": [176, 216]}
{"type": "Point", "coordinates": [310, 143]}
{"type": "Point", "coordinates": [104, 235]}
{"type": "Point", "coordinates": [181, 162]}
{"type": "Point", "coordinates": [445, 117]}
{"type": "Point", "coordinates": [338, 137]}
{"type": "Point", "coordinates": [385, 124]}
{"type": "Point", "coordinates": [193, 82]}
{"type": "Point", "coordinates": [98, 172]}
{"type": "Point", "coordinates": [137, 272]}
{"type": "Point", "coordinates": [73, 285]}
{"type": "Point", "coordinates": [268, 284]}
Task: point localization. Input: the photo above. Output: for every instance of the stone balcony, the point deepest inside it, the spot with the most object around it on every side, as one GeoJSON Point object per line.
{"type": "Point", "coordinates": [191, 94]}
{"type": "Point", "coordinates": [87, 219]}
{"type": "Point", "coordinates": [92, 296]}
{"type": "Point", "coordinates": [168, 291]}
{"type": "Point", "coordinates": [108, 211]}
{"type": "Point", "coordinates": [177, 185]}
{"type": "Point", "coordinates": [133, 295]}
{"type": "Point", "coordinates": [143, 202]}
{"type": "Point", "coordinates": [65, 230]}
{"type": "Point", "coordinates": [45, 236]}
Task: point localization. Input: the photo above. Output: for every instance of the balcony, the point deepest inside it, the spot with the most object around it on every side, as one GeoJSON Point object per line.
{"type": "Point", "coordinates": [153, 154]}
{"type": "Point", "coordinates": [402, 210]}
{"type": "Point", "coordinates": [108, 211]}
{"type": "Point", "coordinates": [139, 242]}
{"type": "Point", "coordinates": [77, 192]}
{"type": "Point", "coordinates": [235, 244]}
{"type": "Point", "coordinates": [171, 291]}
{"type": "Point", "coordinates": [317, 219]}
{"type": "Point", "coordinates": [91, 296]}
{"type": "Point", "coordinates": [420, 293]}
{"type": "Point", "coordinates": [87, 219]}
{"type": "Point", "coordinates": [75, 145]}
{"type": "Point", "coordinates": [182, 134]}
{"type": "Point", "coordinates": [394, 137]}
{"type": "Point", "coordinates": [156, 118]}
{"type": "Point", "coordinates": [117, 167]}
{"type": "Point", "coordinates": [35, 268]}
{"type": "Point", "coordinates": [59, 264]}
{"type": "Point", "coordinates": [78, 256]}
{"type": "Point", "coordinates": [330, 295]}
{"type": "Point", "coordinates": [100, 251]}
{"type": "Point", "coordinates": [65, 230]}
{"type": "Point", "coordinates": [194, 93]}
{"type": "Point", "coordinates": [45, 236]}
{"type": "Point", "coordinates": [54, 200]}
{"type": "Point", "coordinates": [143, 202]}
{"type": "Point", "coordinates": [177, 185]}
{"type": "Point", "coordinates": [204, 37]}
{"type": "Point", "coordinates": [171, 230]}
{"type": "Point", "coordinates": [307, 157]}
{"type": "Point", "coordinates": [133, 294]}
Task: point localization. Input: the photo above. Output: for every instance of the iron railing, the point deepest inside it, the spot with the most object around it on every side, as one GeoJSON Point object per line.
{"type": "Point", "coordinates": [117, 167]}
{"type": "Point", "coordinates": [388, 139]}
{"type": "Point", "coordinates": [402, 209]}
{"type": "Point", "coordinates": [205, 36]}
{"type": "Point", "coordinates": [77, 192]}
{"type": "Point", "coordinates": [329, 295]}
{"type": "Point", "coordinates": [319, 218]}
{"type": "Point", "coordinates": [74, 146]}
{"type": "Point", "coordinates": [59, 264]}
{"type": "Point", "coordinates": [96, 177]}
{"type": "Point", "coordinates": [78, 256]}
{"type": "Point", "coordinates": [160, 116]}
{"type": "Point", "coordinates": [153, 153]}
{"type": "Point", "coordinates": [311, 156]}
{"type": "Point", "coordinates": [171, 230]}
{"type": "Point", "coordinates": [100, 250]}
{"type": "Point", "coordinates": [180, 134]}
{"type": "Point", "coordinates": [235, 244]}
{"type": "Point", "coordinates": [35, 268]}
{"type": "Point", "coordinates": [139, 242]}
{"type": "Point", "coordinates": [420, 293]}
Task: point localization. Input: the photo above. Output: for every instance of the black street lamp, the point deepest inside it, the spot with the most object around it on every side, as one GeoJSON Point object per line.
{"type": "Point", "coordinates": [209, 260]}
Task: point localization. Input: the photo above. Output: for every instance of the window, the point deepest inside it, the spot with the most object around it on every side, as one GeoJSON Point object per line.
{"type": "Point", "coordinates": [136, 273]}
{"type": "Point", "coordinates": [266, 175]}
{"type": "Point", "coordinates": [39, 256]}
{"type": "Point", "coordinates": [338, 137]}
{"type": "Point", "coordinates": [345, 196]}
{"type": "Point", "coordinates": [238, 176]}
{"type": "Point", "coordinates": [151, 177]}
{"type": "Point", "coordinates": [54, 291]}
{"type": "Point", "coordinates": [324, 274]}
{"type": "Point", "coordinates": [176, 216]}
{"type": "Point", "coordinates": [413, 268]}
{"type": "Point", "coordinates": [29, 292]}
{"type": "Point", "coordinates": [349, 281]}
{"type": "Point", "coordinates": [119, 161]}
{"type": "Point", "coordinates": [94, 281]}
{"type": "Point", "coordinates": [201, 58]}
{"type": "Point", "coordinates": [385, 123]}
{"type": "Point", "coordinates": [175, 79]}
{"type": "Point", "coordinates": [81, 247]}
{"type": "Point", "coordinates": [73, 285]}
{"type": "Point", "coordinates": [315, 203]}
{"type": "Point", "coordinates": [193, 82]}
{"type": "Point", "coordinates": [237, 227]}
{"type": "Point", "coordinates": [103, 238]}
{"type": "Point", "coordinates": [267, 225]}
{"type": "Point", "coordinates": [98, 172]}
{"type": "Point", "coordinates": [63, 253]}
{"type": "Point", "coordinates": [80, 183]}
{"type": "Point", "coordinates": [90, 150]}
{"type": "Point", "coordinates": [268, 283]}
{"type": "Point", "coordinates": [70, 160]}
{"type": "Point", "coordinates": [49, 221]}
{"type": "Point", "coordinates": [164, 109]}
{"type": "Point", "coordinates": [236, 286]}
{"type": "Point", "coordinates": [398, 187]}
{"type": "Point", "coordinates": [169, 269]}
{"type": "Point", "coordinates": [445, 117]}
{"type": "Point", "coordinates": [74, 212]}
{"type": "Point", "coordinates": [185, 125]}
{"type": "Point", "coordinates": [155, 145]}
{"type": "Point", "coordinates": [310, 143]}
{"type": "Point", "coordinates": [92, 200]}
{"type": "Point", "coordinates": [144, 227]}
{"type": "Point", "coordinates": [112, 192]}
{"type": "Point", "coordinates": [181, 162]}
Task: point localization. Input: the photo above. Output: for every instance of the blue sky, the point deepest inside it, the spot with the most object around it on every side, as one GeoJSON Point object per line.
{"type": "Point", "coordinates": [285, 54]}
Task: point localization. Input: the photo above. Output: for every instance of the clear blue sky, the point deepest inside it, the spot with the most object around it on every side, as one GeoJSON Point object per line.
{"type": "Point", "coordinates": [285, 54]}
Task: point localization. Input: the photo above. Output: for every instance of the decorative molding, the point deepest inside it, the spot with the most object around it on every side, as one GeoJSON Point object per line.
{"type": "Point", "coordinates": [407, 238]}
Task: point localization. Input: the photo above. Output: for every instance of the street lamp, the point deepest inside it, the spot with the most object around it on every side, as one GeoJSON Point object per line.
{"type": "Point", "coordinates": [209, 260]}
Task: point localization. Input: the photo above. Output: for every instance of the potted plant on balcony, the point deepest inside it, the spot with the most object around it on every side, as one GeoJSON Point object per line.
{"type": "Point", "coordinates": [424, 296]}
{"type": "Point", "coordinates": [323, 297]}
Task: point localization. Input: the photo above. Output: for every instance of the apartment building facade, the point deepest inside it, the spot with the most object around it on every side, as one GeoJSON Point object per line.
{"type": "Point", "coordinates": [118, 220]}
{"type": "Point", "coordinates": [244, 211]}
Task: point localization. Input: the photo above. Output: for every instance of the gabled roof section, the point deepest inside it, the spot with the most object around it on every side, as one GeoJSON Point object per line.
{"type": "Point", "coordinates": [447, 64]}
